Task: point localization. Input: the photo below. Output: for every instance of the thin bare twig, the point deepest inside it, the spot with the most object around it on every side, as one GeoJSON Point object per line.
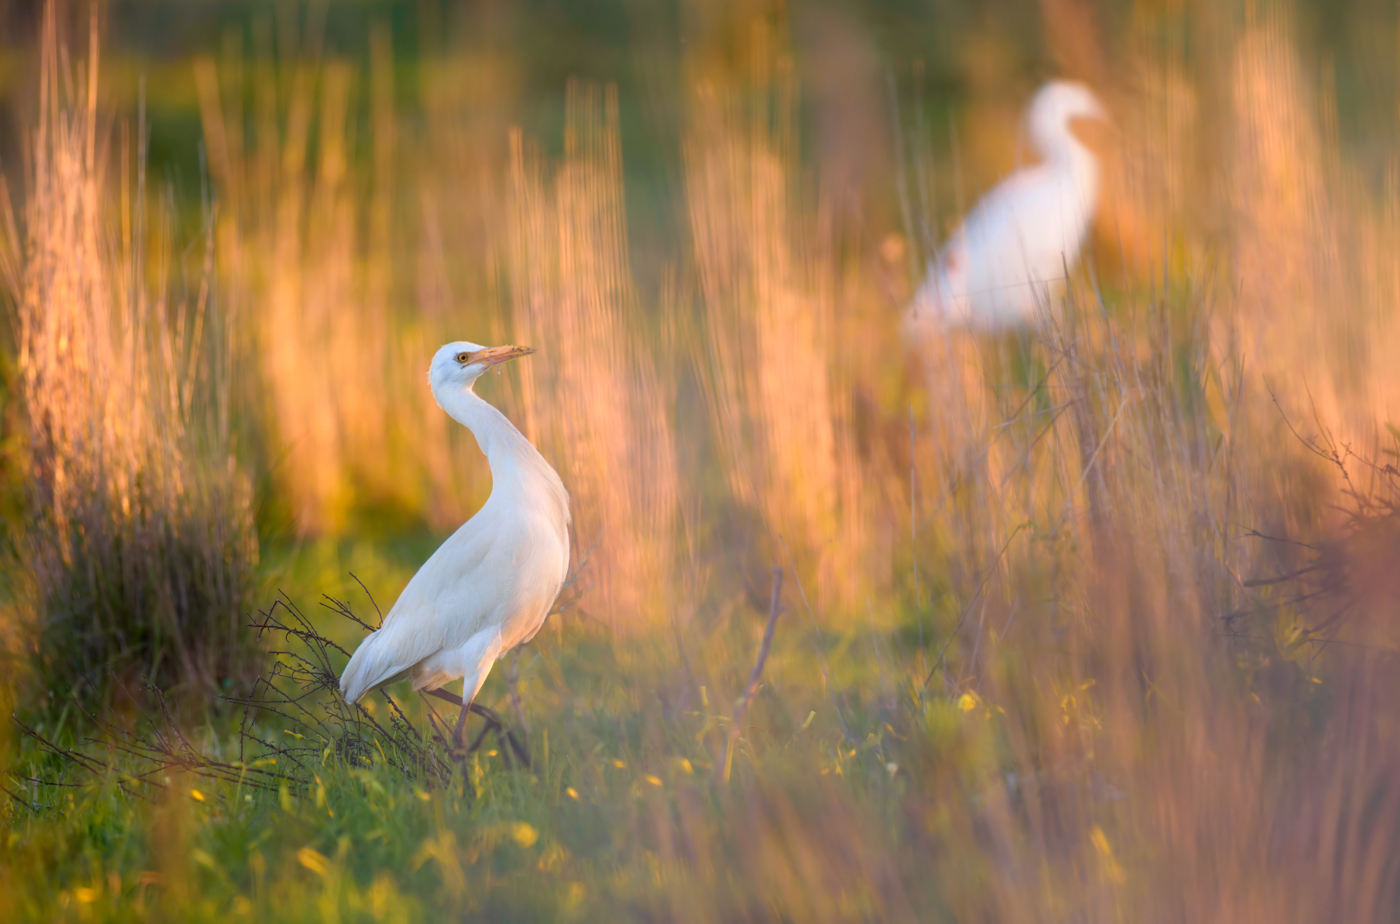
{"type": "Point", "coordinates": [742, 710]}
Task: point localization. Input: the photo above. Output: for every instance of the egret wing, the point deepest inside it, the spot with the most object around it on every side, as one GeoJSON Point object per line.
{"type": "Point", "coordinates": [450, 598]}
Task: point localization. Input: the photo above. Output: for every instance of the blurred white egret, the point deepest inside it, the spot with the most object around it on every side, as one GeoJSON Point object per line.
{"type": "Point", "coordinates": [489, 587]}
{"type": "Point", "coordinates": [1022, 236]}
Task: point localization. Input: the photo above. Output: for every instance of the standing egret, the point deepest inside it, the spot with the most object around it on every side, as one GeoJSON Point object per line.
{"type": "Point", "coordinates": [1022, 236]}
{"type": "Point", "coordinates": [490, 586]}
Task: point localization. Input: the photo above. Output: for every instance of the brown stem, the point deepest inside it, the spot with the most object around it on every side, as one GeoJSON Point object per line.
{"type": "Point", "coordinates": [742, 710]}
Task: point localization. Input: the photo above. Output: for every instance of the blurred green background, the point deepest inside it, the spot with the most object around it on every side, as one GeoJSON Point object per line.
{"type": "Point", "coordinates": [852, 57]}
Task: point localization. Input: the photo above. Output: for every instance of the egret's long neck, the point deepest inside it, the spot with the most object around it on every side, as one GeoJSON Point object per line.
{"type": "Point", "coordinates": [516, 466]}
{"type": "Point", "coordinates": [1057, 144]}
{"type": "Point", "coordinates": [1073, 162]}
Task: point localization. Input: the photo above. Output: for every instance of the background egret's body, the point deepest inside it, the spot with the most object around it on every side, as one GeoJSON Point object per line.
{"type": "Point", "coordinates": [490, 586]}
{"type": "Point", "coordinates": [1016, 244]}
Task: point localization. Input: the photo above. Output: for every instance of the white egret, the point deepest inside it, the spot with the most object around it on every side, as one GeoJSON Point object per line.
{"type": "Point", "coordinates": [1020, 238]}
{"type": "Point", "coordinates": [490, 586]}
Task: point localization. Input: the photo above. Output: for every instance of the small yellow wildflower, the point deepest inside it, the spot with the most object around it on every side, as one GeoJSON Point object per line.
{"type": "Point", "coordinates": [314, 860]}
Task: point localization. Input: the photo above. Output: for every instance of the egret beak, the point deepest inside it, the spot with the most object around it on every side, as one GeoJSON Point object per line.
{"type": "Point", "coordinates": [1105, 117]}
{"type": "Point", "coordinates": [494, 356]}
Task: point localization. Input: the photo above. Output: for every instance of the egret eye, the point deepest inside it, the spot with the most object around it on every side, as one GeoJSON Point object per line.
{"type": "Point", "coordinates": [464, 358]}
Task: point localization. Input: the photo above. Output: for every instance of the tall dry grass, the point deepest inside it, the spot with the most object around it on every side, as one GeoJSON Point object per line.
{"type": "Point", "coordinates": [309, 238]}
{"type": "Point", "coordinates": [772, 364]}
{"type": "Point", "coordinates": [603, 390]}
{"type": "Point", "coordinates": [1314, 247]}
{"type": "Point", "coordinates": [137, 547]}
{"type": "Point", "coordinates": [1159, 766]}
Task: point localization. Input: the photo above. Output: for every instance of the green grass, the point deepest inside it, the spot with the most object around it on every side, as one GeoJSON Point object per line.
{"type": "Point", "coordinates": [612, 820]}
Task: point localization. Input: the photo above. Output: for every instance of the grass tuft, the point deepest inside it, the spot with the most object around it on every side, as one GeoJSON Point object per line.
{"type": "Point", "coordinates": [137, 546]}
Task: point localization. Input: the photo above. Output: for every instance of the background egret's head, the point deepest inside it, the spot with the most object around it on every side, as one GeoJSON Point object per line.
{"type": "Point", "coordinates": [459, 364]}
{"type": "Point", "coordinates": [1054, 107]}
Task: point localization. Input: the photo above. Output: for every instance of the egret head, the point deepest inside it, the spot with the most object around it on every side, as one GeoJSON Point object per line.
{"type": "Point", "coordinates": [1054, 108]}
{"type": "Point", "coordinates": [457, 365]}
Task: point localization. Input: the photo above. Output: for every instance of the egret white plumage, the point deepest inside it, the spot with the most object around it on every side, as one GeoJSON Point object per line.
{"type": "Point", "coordinates": [490, 586]}
{"type": "Point", "coordinates": [1017, 242]}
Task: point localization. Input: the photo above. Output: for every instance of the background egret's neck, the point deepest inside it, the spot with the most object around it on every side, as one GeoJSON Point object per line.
{"type": "Point", "coordinates": [1058, 146]}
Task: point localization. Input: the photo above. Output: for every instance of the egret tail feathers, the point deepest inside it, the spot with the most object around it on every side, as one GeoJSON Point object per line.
{"type": "Point", "coordinates": [370, 667]}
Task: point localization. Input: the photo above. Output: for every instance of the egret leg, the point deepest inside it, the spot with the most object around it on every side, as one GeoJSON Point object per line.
{"type": "Point", "coordinates": [459, 733]}
{"type": "Point", "coordinates": [493, 721]}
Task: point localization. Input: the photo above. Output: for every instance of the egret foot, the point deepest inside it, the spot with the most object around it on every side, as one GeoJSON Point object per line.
{"type": "Point", "coordinates": [509, 742]}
